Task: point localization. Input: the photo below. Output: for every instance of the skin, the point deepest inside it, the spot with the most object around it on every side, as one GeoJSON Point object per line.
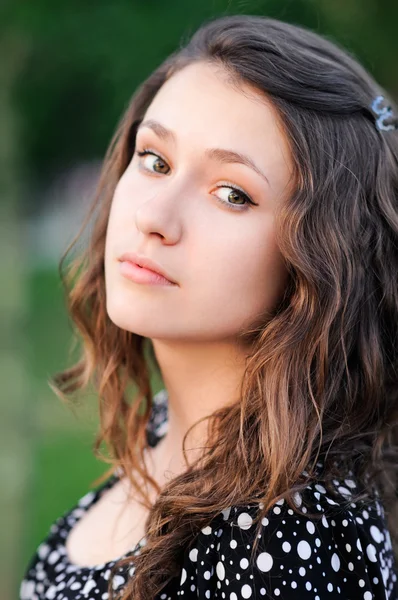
{"type": "Point", "coordinates": [226, 262]}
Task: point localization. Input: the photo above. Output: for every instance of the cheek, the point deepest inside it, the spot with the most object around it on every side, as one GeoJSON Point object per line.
{"type": "Point", "coordinates": [122, 207]}
{"type": "Point", "coordinates": [256, 280]}
{"type": "Point", "coordinates": [121, 197]}
{"type": "Point", "coordinates": [240, 280]}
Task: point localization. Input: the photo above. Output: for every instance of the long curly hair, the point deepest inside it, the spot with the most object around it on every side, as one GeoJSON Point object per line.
{"type": "Point", "coordinates": [322, 371]}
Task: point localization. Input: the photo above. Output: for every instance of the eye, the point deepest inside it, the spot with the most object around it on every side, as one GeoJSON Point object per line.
{"type": "Point", "coordinates": [231, 196]}
{"type": "Point", "coordinates": [147, 152]}
{"type": "Point", "coordinates": [235, 192]}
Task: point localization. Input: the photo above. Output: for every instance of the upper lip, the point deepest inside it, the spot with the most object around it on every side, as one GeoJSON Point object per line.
{"type": "Point", "coordinates": [145, 262]}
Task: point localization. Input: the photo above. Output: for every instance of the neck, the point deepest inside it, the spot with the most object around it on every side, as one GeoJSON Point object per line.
{"type": "Point", "coordinates": [199, 379]}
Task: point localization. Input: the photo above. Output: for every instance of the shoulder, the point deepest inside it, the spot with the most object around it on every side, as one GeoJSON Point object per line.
{"type": "Point", "coordinates": [346, 550]}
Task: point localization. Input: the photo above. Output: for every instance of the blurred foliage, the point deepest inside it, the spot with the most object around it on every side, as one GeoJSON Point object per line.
{"type": "Point", "coordinates": [83, 60]}
{"type": "Point", "coordinates": [64, 469]}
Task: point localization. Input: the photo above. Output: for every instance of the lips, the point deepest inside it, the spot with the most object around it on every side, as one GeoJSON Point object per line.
{"type": "Point", "coordinates": [147, 263]}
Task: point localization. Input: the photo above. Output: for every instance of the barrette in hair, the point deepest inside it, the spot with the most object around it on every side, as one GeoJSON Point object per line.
{"type": "Point", "coordinates": [382, 114]}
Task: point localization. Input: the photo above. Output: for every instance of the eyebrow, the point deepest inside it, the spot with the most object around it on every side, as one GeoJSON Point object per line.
{"type": "Point", "coordinates": [221, 155]}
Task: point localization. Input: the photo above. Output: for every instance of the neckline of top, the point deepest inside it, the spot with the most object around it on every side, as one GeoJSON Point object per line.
{"type": "Point", "coordinates": [156, 429]}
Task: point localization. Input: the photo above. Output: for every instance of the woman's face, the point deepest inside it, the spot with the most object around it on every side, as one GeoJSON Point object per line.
{"type": "Point", "coordinates": [184, 208]}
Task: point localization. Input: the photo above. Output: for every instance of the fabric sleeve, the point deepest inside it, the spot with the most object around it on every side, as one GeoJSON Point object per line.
{"type": "Point", "coordinates": [298, 557]}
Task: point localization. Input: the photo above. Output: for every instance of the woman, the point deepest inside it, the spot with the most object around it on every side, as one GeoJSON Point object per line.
{"type": "Point", "coordinates": [245, 247]}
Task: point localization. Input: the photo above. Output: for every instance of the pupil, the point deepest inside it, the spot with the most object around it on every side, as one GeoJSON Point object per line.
{"type": "Point", "coordinates": [234, 194]}
{"type": "Point", "coordinates": [162, 164]}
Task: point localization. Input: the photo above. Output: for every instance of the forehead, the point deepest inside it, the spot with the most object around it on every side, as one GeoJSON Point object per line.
{"type": "Point", "coordinates": [202, 97]}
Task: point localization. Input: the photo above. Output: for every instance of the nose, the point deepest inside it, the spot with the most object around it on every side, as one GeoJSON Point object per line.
{"type": "Point", "coordinates": [161, 214]}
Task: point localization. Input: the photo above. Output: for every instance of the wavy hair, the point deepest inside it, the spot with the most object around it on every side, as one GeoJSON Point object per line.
{"type": "Point", "coordinates": [321, 374]}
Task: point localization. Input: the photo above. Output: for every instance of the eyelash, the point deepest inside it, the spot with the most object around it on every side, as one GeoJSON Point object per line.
{"type": "Point", "coordinates": [238, 207]}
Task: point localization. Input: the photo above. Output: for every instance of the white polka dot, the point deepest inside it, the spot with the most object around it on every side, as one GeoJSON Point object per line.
{"type": "Point", "coordinates": [276, 510]}
{"type": "Point", "coordinates": [297, 499]}
{"type": "Point", "coordinates": [286, 547]}
{"type": "Point", "coordinates": [277, 591]}
{"type": "Point", "coordinates": [367, 596]}
{"type": "Point", "coordinates": [207, 574]}
{"type": "Point", "coordinates": [330, 587]}
{"type": "Point", "coordinates": [264, 521]}
{"type": "Point", "coordinates": [43, 550]}
{"type": "Point", "coordinates": [304, 550]}
{"type": "Point", "coordinates": [226, 512]}
{"type": "Point", "coordinates": [207, 530]}
{"type": "Point", "coordinates": [244, 563]}
{"type": "Point", "coordinates": [246, 591]}
{"type": "Point", "coordinates": [310, 527]}
{"type": "Point", "coordinates": [350, 483]}
{"type": "Point", "coordinates": [302, 571]}
{"type": "Point", "coordinates": [220, 570]}
{"type": "Point", "coordinates": [371, 552]}
{"type": "Point", "coordinates": [361, 583]}
{"type": "Point", "coordinates": [293, 584]}
{"type": "Point", "coordinates": [233, 596]}
{"type": "Point", "coordinates": [54, 556]}
{"type": "Point", "coordinates": [117, 581]}
{"type": "Point", "coordinates": [359, 520]}
{"type": "Point", "coordinates": [27, 589]}
{"type": "Point", "coordinates": [308, 585]}
{"type": "Point", "coordinates": [76, 585]}
{"type": "Point", "coordinates": [183, 576]}
{"type": "Point", "coordinates": [233, 543]}
{"type": "Point", "coordinates": [85, 501]}
{"type": "Point", "coordinates": [376, 534]}
{"type": "Point", "coordinates": [324, 521]}
{"type": "Point", "coordinates": [264, 561]}
{"type": "Point", "coordinates": [91, 584]}
{"type": "Point", "coordinates": [330, 501]}
{"type": "Point", "coordinates": [52, 590]}
{"type": "Point", "coordinates": [193, 555]}
{"type": "Point", "coordinates": [245, 521]}
{"type": "Point", "coordinates": [335, 562]}
{"type": "Point", "coordinates": [320, 488]}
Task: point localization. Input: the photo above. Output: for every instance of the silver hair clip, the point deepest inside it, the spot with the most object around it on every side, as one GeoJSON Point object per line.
{"type": "Point", "coordinates": [382, 113]}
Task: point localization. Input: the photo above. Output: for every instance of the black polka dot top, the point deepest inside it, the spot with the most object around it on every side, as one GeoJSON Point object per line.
{"type": "Point", "coordinates": [346, 555]}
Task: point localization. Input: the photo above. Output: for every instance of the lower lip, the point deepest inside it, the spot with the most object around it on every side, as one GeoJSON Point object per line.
{"type": "Point", "coordinates": [142, 275]}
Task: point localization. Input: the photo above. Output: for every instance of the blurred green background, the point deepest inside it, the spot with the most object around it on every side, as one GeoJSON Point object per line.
{"type": "Point", "coordinates": [68, 70]}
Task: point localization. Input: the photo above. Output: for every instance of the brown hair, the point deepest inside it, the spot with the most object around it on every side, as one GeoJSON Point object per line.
{"type": "Point", "coordinates": [321, 375]}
